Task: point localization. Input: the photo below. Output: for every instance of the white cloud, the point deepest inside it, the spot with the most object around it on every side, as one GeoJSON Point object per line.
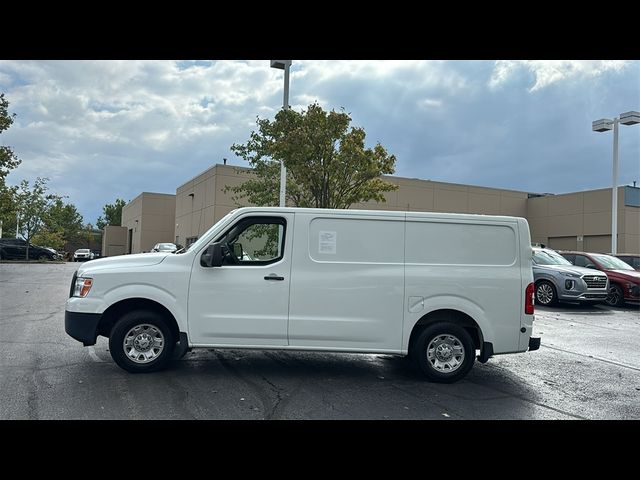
{"type": "Point", "coordinates": [428, 103]}
{"type": "Point", "coordinates": [414, 74]}
{"type": "Point", "coordinates": [548, 72]}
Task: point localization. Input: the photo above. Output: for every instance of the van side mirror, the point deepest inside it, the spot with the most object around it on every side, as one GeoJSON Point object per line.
{"type": "Point", "coordinates": [212, 256]}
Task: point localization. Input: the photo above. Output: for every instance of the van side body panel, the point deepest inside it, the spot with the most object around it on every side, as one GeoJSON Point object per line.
{"type": "Point", "coordinates": [465, 263]}
{"type": "Point", "coordinates": [347, 281]}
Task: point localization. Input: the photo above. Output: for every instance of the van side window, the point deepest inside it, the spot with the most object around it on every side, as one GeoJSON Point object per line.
{"type": "Point", "coordinates": [255, 241]}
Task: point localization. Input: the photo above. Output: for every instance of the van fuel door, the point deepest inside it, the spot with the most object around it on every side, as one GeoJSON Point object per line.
{"type": "Point", "coordinates": [416, 304]}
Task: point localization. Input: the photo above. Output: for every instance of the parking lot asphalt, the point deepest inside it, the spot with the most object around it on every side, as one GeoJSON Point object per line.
{"type": "Point", "coordinates": [588, 367]}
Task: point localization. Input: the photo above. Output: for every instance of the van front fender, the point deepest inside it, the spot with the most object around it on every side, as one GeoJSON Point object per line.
{"type": "Point", "coordinates": [147, 292]}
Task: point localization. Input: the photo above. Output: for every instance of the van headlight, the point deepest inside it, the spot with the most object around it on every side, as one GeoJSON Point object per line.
{"type": "Point", "coordinates": [82, 287]}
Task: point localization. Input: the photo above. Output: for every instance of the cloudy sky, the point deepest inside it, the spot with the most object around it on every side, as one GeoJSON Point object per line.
{"type": "Point", "coordinates": [107, 129]}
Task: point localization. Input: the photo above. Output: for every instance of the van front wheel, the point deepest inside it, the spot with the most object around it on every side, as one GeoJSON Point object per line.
{"type": "Point", "coordinates": [141, 342]}
{"type": "Point", "coordinates": [444, 352]}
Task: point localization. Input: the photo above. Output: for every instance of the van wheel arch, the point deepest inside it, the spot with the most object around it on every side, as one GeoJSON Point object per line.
{"type": "Point", "coordinates": [447, 316]}
{"type": "Point", "coordinates": [112, 314]}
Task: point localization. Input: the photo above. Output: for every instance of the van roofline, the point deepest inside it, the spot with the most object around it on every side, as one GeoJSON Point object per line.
{"type": "Point", "coordinates": [384, 213]}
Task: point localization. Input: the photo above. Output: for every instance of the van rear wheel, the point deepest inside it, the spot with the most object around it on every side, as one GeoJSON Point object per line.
{"type": "Point", "coordinates": [444, 352]}
{"type": "Point", "coordinates": [141, 342]}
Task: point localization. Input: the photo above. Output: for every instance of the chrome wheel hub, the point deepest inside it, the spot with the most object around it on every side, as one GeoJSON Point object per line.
{"type": "Point", "coordinates": [445, 353]}
{"type": "Point", "coordinates": [143, 343]}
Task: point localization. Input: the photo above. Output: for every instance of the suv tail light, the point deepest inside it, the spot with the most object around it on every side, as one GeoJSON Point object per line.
{"type": "Point", "coordinates": [528, 299]}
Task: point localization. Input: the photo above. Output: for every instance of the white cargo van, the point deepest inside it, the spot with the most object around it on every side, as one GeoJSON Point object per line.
{"type": "Point", "coordinates": [439, 287]}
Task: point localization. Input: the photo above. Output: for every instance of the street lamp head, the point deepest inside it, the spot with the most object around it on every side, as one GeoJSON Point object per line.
{"type": "Point", "coordinates": [280, 64]}
{"type": "Point", "coordinates": [602, 125]}
{"type": "Point", "coordinates": [630, 118]}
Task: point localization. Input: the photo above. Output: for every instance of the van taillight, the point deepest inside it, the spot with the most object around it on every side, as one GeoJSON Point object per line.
{"type": "Point", "coordinates": [528, 299]}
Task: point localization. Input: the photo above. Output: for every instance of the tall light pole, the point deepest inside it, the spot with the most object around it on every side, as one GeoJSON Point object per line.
{"type": "Point", "coordinates": [603, 125]}
{"type": "Point", "coordinates": [283, 65]}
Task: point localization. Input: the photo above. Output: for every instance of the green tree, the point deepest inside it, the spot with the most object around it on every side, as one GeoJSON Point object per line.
{"type": "Point", "coordinates": [112, 214]}
{"type": "Point", "coordinates": [90, 236]}
{"type": "Point", "coordinates": [63, 219]}
{"type": "Point", "coordinates": [8, 210]}
{"type": "Point", "coordinates": [32, 206]}
{"type": "Point", "coordinates": [327, 163]}
{"type": "Point", "coordinates": [49, 238]}
{"type": "Point", "coordinates": [8, 159]}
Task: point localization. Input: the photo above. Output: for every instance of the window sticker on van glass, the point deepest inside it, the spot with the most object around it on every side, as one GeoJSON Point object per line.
{"type": "Point", "coordinates": [327, 242]}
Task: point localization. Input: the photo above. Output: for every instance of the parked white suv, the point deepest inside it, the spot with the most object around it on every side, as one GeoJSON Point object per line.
{"type": "Point", "coordinates": [439, 287]}
{"type": "Point", "coordinates": [82, 254]}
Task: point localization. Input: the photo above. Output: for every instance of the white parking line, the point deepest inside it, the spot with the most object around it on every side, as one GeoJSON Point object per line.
{"type": "Point", "coordinates": [94, 356]}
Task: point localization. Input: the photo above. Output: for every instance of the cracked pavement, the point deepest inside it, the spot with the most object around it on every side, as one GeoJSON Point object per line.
{"type": "Point", "coordinates": [588, 367]}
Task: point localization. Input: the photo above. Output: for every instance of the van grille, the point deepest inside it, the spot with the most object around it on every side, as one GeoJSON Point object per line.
{"type": "Point", "coordinates": [595, 282]}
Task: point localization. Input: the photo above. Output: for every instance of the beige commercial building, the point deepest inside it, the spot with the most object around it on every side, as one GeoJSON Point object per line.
{"type": "Point", "coordinates": [149, 219]}
{"type": "Point", "coordinates": [579, 220]}
{"type": "Point", "coordinates": [202, 201]}
{"type": "Point", "coordinates": [582, 220]}
{"type": "Point", "coordinates": [114, 241]}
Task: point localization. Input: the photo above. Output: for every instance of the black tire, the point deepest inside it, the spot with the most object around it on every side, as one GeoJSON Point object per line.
{"type": "Point", "coordinates": [615, 297]}
{"type": "Point", "coordinates": [458, 337]}
{"type": "Point", "coordinates": [151, 325]}
{"type": "Point", "coordinates": [546, 294]}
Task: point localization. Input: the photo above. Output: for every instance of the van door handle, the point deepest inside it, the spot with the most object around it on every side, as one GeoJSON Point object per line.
{"type": "Point", "coordinates": [273, 276]}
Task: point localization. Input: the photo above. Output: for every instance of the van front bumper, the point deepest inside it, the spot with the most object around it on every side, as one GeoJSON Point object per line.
{"type": "Point", "coordinates": [82, 326]}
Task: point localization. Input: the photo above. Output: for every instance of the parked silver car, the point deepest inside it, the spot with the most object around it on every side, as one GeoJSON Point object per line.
{"type": "Point", "coordinates": [557, 279]}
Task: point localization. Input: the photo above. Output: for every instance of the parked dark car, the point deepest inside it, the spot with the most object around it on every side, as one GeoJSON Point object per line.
{"type": "Point", "coordinates": [56, 254]}
{"type": "Point", "coordinates": [632, 259]}
{"type": "Point", "coordinates": [16, 249]}
{"type": "Point", "coordinates": [624, 281]}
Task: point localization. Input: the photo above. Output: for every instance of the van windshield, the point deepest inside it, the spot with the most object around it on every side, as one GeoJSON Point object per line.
{"type": "Point", "coordinates": [549, 257]}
